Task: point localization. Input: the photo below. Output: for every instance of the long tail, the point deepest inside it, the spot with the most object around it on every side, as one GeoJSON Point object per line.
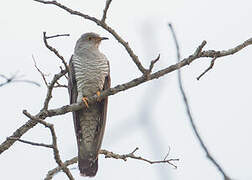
{"type": "Point", "coordinates": [87, 167]}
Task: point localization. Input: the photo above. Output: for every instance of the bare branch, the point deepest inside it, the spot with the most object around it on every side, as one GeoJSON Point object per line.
{"type": "Point", "coordinates": [57, 35]}
{"type": "Point", "coordinates": [131, 155]}
{"type": "Point", "coordinates": [14, 79]}
{"type": "Point", "coordinates": [51, 86]}
{"type": "Point", "coordinates": [60, 85]}
{"type": "Point", "coordinates": [104, 26]}
{"type": "Point", "coordinates": [109, 154]}
{"type": "Point", "coordinates": [195, 130]}
{"type": "Point", "coordinates": [153, 62]}
{"type": "Point", "coordinates": [217, 54]}
{"type": "Point", "coordinates": [53, 49]}
{"type": "Point", "coordinates": [210, 67]}
{"type": "Point", "coordinates": [105, 10]}
{"type": "Point", "coordinates": [41, 73]}
{"type": "Point", "coordinates": [54, 171]}
{"type": "Point", "coordinates": [32, 143]}
{"type": "Point", "coordinates": [65, 75]}
{"type": "Point", "coordinates": [54, 143]}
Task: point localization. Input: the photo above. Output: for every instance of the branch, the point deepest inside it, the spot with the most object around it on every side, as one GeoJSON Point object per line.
{"type": "Point", "coordinates": [40, 72]}
{"type": "Point", "coordinates": [54, 144]}
{"type": "Point", "coordinates": [217, 54]}
{"type": "Point", "coordinates": [109, 154]}
{"type": "Point", "coordinates": [53, 49]}
{"type": "Point", "coordinates": [189, 114]}
{"type": "Point", "coordinates": [210, 67]}
{"type": "Point", "coordinates": [57, 35]}
{"type": "Point", "coordinates": [31, 143]}
{"type": "Point", "coordinates": [30, 124]}
{"type": "Point", "coordinates": [104, 26]}
{"type": "Point", "coordinates": [14, 79]}
{"type": "Point", "coordinates": [54, 171]}
{"type": "Point", "coordinates": [153, 62]}
{"type": "Point", "coordinates": [131, 155]}
{"type": "Point", "coordinates": [50, 88]}
{"type": "Point", "coordinates": [105, 10]}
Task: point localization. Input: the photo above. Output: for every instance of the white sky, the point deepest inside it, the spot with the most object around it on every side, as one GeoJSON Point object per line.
{"type": "Point", "coordinates": [151, 116]}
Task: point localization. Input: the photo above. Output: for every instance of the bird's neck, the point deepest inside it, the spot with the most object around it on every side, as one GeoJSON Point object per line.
{"type": "Point", "coordinates": [86, 50]}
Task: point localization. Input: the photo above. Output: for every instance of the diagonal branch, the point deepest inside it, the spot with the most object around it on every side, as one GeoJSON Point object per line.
{"type": "Point", "coordinates": [104, 26]}
{"type": "Point", "coordinates": [53, 49]}
{"type": "Point", "coordinates": [189, 114]}
{"type": "Point", "coordinates": [32, 143]}
{"type": "Point", "coordinates": [57, 35]}
{"type": "Point", "coordinates": [210, 67]}
{"type": "Point", "coordinates": [54, 171]}
{"type": "Point", "coordinates": [40, 72]}
{"type": "Point", "coordinates": [108, 2]}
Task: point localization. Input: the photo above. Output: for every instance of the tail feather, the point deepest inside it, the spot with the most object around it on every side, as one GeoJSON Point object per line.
{"type": "Point", "coordinates": [88, 167]}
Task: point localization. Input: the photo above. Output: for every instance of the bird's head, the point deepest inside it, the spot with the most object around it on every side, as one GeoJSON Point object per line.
{"type": "Point", "coordinates": [89, 40]}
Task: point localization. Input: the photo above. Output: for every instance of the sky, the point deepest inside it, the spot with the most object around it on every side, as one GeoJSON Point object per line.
{"type": "Point", "coordinates": [151, 116]}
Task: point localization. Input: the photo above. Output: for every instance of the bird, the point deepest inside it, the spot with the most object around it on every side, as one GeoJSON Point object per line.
{"type": "Point", "coordinates": [89, 74]}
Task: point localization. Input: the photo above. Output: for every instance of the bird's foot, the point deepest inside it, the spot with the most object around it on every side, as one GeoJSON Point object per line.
{"type": "Point", "coordinates": [85, 100]}
{"type": "Point", "coordinates": [98, 93]}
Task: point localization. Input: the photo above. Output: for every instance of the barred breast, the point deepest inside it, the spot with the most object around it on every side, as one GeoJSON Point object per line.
{"type": "Point", "coordinates": [91, 68]}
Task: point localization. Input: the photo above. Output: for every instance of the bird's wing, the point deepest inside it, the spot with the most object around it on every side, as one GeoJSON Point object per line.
{"type": "Point", "coordinates": [72, 89]}
{"type": "Point", "coordinates": [103, 106]}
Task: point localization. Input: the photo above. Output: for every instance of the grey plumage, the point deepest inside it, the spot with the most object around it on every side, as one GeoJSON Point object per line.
{"type": "Point", "coordinates": [88, 73]}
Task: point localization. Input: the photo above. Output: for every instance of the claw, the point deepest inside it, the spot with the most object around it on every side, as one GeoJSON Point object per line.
{"type": "Point", "coordinates": [85, 100]}
{"type": "Point", "coordinates": [98, 93]}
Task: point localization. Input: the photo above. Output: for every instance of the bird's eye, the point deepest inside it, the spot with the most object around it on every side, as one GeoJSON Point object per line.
{"type": "Point", "coordinates": [89, 38]}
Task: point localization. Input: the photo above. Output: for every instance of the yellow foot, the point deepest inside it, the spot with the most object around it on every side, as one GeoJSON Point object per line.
{"type": "Point", "coordinates": [98, 93]}
{"type": "Point", "coordinates": [85, 100]}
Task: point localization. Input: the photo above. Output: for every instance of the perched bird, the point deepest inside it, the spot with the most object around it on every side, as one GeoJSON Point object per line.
{"type": "Point", "coordinates": [88, 75]}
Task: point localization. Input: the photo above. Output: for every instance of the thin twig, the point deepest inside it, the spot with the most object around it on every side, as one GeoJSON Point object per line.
{"type": "Point", "coordinates": [189, 114]}
{"type": "Point", "coordinates": [50, 88]}
{"type": "Point", "coordinates": [168, 153]}
{"type": "Point", "coordinates": [14, 79]}
{"type": "Point", "coordinates": [105, 10]}
{"type": "Point", "coordinates": [57, 35]}
{"type": "Point", "coordinates": [65, 75]}
{"type": "Point", "coordinates": [54, 50]}
{"type": "Point", "coordinates": [54, 171]}
{"type": "Point", "coordinates": [31, 143]}
{"type": "Point", "coordinates": [60, 85]}
{"type": "Point", "coordinates": [210, 67]}
{"type": "Point", "coordinates": [41, 73]}
{"type": "Point", "coordinates": [153, 63]}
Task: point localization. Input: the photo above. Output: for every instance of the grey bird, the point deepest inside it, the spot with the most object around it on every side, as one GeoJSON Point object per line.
{"type": "Point", "coordinates": [88, 75]}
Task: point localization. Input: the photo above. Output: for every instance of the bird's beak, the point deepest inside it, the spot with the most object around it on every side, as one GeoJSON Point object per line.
{"type": "Point", "coordinates": [104, 38]}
